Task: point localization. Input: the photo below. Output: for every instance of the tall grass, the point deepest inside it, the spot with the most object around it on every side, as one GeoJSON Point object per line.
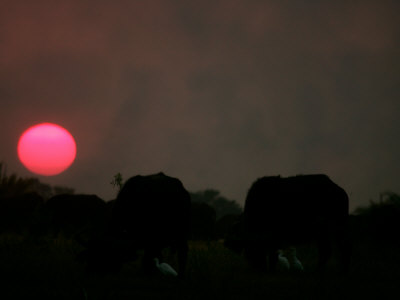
{"type": "Point", "coordinates": [47, 269]}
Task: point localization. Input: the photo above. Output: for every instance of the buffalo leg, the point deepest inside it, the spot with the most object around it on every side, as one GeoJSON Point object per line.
{"type": "Point", "coordinates": [273, 259]}
{"type": "Point", "coordinates": [148, 264]}
{"type": "Point", "coordinates": [345, 250]}
{"type": "Point", "coordinates": [256, 256]}
{"type": "Point", "coordinates": [182, 258]}
{"type": "Point", "coordinates": [325, 252]}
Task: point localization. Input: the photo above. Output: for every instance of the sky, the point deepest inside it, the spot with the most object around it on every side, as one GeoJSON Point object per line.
{"type": "Point", "coordinates": [216, 93]}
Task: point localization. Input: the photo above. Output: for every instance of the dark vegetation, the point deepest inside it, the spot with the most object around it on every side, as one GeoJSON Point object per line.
{"type": "Point", "coordinates": [41, 234]}
{"type": "Point", "coordinates": [31, 207]}
{"type": "Point", "coordinates": [212, 214]}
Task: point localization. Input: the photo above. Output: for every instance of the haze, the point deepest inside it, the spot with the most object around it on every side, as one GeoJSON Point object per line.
{"type": "Point", "coordinates": [217, 93]}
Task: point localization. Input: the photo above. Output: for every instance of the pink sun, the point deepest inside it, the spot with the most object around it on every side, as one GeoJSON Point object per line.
{"type": "Point", "coordinates": [46, 149]}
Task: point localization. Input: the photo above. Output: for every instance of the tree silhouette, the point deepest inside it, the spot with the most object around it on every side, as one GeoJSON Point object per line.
{"type": "Point", "coordinates": [380, 220]}
{"type": "Point", "coordinates": [222, 205]}
{"type": "Point", "coordinates": [13, 186]}
{"type": "Point", "coordinates": [203, 219]}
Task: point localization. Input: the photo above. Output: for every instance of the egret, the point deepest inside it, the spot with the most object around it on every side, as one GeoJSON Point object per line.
{"type": "Point", "coordinates": [283, 262]}
{"type": "Point", "coordinates": [165, 268]}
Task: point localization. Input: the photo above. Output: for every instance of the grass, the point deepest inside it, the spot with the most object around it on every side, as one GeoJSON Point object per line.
{"type": "Point", "coordinates": [47, 269]}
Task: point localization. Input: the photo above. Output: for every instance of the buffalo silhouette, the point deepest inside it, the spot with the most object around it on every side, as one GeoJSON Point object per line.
{"type": "Point", "coordinates": [280, 212]}
{"type": "Point", "coordinates": [74, 215]}
{"type": "Point", "coordinates": [152, 213]}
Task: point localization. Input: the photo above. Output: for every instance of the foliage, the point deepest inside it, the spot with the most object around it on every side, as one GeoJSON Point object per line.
{"type": "Point", "coordinates": [14, 186]}
{"type": "Point", "coordinates": [222, 205]}
{"type": "Point", "coordinates": [380, 220]}
{"type": "Point", "coordinates": [117, 181]}
{"type": "Point", "coordinates": [202, 221]}
{"type": "Point", "coordinates": [212, 214]}
{"type": "Point", "coordinates": [386, 200]}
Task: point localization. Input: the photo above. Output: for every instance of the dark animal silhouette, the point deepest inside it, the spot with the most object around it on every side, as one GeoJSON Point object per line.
{"type": "Point", "coordinates": [20, 213]}
{"type": "Point", "coordinates": [152, 213]}
{"type": "Point", "coordinates": [280, 212]}
{"type": "Point", "coordinates": [74, 215]}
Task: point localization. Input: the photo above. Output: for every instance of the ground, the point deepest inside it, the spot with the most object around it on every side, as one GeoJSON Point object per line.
{"type": "Point", "coordinates": [46, 269]}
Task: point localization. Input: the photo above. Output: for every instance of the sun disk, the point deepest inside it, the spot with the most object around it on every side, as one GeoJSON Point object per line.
{"type": "Point", "coordinates": [46, 149]}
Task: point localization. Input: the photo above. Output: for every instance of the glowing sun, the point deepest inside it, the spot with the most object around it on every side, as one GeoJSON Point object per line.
{"type": "Point", "coordinates": [46, 149]}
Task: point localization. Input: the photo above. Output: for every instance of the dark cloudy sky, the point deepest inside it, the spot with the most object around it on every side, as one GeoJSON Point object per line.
{"type": "Point", "coordinates": [217, 93]}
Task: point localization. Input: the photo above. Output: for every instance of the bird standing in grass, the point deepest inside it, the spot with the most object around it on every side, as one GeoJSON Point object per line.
{"type": "Point", "coordinates": [165, 268]}
{"type": "Point", "coordinates": [283, 262]}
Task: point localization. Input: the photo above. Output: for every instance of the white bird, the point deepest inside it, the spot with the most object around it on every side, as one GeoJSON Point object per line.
{"type": "Point", "coordinates": [283, 262]}
{"type": "Point", "coordinates": [165, 268]}
{"type": "Point", "coordinates": [295, 263]}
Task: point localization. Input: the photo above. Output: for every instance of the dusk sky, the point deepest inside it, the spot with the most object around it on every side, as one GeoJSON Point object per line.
{"type": "Point", "coordinates": [216, 93]}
